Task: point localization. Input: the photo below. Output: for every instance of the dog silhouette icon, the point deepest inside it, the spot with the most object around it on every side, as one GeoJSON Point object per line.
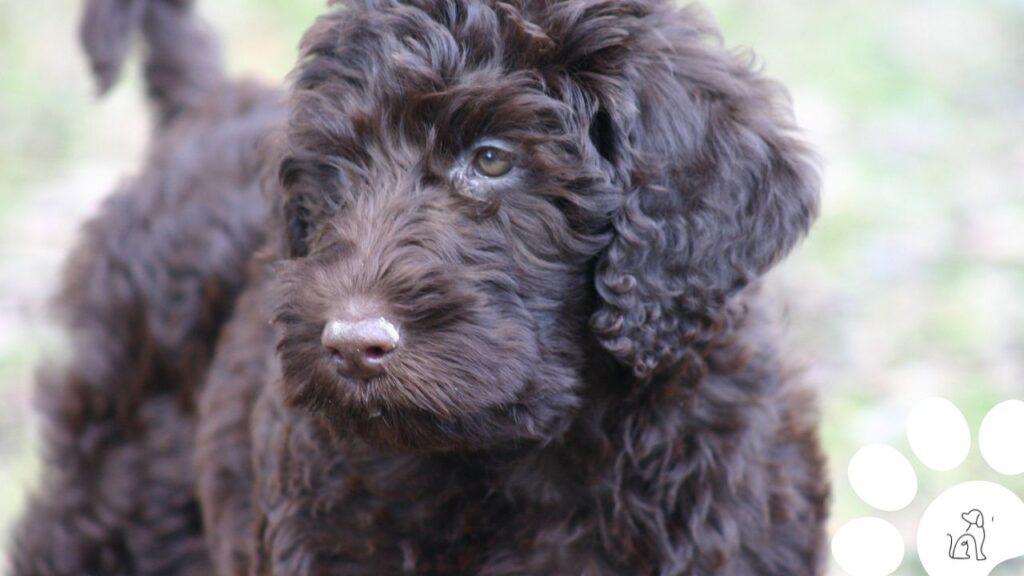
{"type": "Point", "coordinates": [971, 543]}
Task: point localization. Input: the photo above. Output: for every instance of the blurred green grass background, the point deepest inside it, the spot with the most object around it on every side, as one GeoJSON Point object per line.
{"type": "Point", "coordinates": [911, 284]}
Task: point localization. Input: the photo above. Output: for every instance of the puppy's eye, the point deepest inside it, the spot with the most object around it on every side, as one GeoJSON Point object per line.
{"type": "Point", "coordinates": [298, 223]}
{"type": "Point", "coordinates": [493, 162]}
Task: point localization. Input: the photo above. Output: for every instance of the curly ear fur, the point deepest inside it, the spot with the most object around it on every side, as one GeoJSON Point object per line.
{"type": "Point", "coordinates": [717, 186]}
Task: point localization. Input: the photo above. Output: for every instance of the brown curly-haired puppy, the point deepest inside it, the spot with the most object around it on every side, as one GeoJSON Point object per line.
{"type": "Point", "coordinates": [503, 320]}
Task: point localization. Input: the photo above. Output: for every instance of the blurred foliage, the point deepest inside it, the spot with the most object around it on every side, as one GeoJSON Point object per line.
{"type": "Point", "coordinates": [911, 284]}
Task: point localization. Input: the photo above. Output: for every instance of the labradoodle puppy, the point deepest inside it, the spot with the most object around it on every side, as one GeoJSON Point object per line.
{"type": "Point", "coordinates": [477, 296]}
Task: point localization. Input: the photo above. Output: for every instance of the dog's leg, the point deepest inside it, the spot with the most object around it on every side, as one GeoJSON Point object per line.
{"type": "Point", "coordinates": [224, 453]}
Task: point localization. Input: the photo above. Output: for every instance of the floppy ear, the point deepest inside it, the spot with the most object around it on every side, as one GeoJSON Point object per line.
{"type": "Point", "coordinates": [717, 188]}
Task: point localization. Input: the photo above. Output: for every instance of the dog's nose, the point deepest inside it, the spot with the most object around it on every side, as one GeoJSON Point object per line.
{"type": "Point", "coordinates": [359, 347]}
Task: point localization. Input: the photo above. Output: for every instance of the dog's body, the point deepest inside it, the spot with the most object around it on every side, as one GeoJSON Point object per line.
{"type": "Point", "coordinates": [971, 543]}
{"type": "Point", "coordinates": [579, 378]}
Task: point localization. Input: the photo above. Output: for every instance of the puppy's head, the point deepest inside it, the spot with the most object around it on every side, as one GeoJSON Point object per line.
{"type": "Point", "coordinates": [478, 195]}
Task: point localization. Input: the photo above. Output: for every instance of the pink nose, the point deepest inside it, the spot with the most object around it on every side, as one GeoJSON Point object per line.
{"type": "Point", "coordinates": [359, 347]}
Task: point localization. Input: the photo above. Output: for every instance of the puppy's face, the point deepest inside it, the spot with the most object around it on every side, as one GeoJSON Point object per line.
{"type": "Point", "coordinates": [457, 214]}
{"type": "Point", "coordinates": [453, 208]}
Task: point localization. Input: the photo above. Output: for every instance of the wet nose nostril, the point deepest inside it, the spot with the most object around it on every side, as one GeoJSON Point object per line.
{"type": "Point", "coordinates": [359, 347]}
{"type": "Point", "coordinates": [375, 353]}
{"type": "Point", "coordinates": [336, 356]}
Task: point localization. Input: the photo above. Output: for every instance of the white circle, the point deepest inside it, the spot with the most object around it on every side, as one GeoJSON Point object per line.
{"type": "Point", "coordinates": [938, 434]}
{"type": "Point", "coordinates": [1001, 437]}
{"type": "Point", "coordinates": [868, 547]}
{"type": "Point", "coordinates": [883, 477]}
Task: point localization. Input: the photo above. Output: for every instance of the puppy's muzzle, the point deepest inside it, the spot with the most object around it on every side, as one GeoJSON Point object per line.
{"type": "Point", "coordinates": [360, 347]}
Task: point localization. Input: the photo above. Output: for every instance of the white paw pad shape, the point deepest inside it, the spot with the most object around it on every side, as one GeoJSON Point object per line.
{"type": "Point", "coordinates": [967, 530]}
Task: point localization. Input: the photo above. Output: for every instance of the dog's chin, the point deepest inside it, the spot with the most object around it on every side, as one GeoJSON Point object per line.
{"type": "Point", "coordinates": [490, 415]}
{"type": "Point", "coordinates": [407, 429]}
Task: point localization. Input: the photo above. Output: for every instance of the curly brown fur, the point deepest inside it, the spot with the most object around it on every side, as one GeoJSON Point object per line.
{"type": "Point", "coordinates": [586, 383]}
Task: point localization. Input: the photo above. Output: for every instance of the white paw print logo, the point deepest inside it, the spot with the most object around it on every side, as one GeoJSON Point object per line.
{"type": "Point", "coordinates": [967, 530]}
